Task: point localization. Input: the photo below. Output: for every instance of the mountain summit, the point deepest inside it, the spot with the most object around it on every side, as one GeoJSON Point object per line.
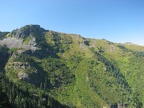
{"type": "Point", "coordinates": [28, 30]}
{"type": "Point", "coordinates": [26, 37]}
{"type": "Point", "coordinates": [44, 68]}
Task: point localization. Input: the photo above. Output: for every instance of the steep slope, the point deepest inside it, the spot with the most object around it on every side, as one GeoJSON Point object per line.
{"type": "Point", "coordinates": [75, 71]}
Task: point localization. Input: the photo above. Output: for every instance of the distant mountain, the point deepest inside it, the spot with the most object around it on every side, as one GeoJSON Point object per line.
{"type": "Point", "coordinates": [44, 68]}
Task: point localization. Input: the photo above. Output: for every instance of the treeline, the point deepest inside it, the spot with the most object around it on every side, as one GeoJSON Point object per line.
{"type": "Point", "coordinates": [4, 56]}
{"type": "Point", "coordinates": [22, 96]}
{"type": "Point", "coordinates": [129, 98]}
{"type": "Point", "coordinates": [110, 67]}
{"type": "Point", "coordinates": [14, 96]}
{"type": "Point", "coordinates": [136, 53]}
{"type": "Point", "coordinates": [111, 85]}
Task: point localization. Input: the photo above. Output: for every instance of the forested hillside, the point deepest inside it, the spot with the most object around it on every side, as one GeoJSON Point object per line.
{"type": "Point", "coordinates": [47, 69]}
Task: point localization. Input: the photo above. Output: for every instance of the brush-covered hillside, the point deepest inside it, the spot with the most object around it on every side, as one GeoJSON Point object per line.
{"type": "Point", "coordinates": [47, 69]}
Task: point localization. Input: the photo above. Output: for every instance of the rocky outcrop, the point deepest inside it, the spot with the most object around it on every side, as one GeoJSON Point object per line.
{"type": "Point", "coordinates": [27, 30]}
{"type": "Point", "coordinates": [11, 42]}
{"type": "Point", "coordinates": [22, 75]}
{"type": "Point", "coordinates": [26, 37]}
{"type": "Point", "coordinates": [25, 72]}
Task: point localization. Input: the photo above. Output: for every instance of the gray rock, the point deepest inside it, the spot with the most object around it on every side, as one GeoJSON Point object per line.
{"type": "Point", "coordinates": [23, 76]}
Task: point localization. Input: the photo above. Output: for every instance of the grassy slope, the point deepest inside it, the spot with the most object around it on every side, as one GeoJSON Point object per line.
{"type": "Point", "coordinates": [81, 94]}
{"type": "Point", "coordinates": [93, 86]}
{"type": "Point", "coordinates": [131, 66]}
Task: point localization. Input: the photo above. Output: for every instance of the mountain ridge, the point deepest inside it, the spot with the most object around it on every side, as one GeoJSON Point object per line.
{"type": "Point", "coordinates": [76, 71]}
{"type": "Point", "coordinates": [44, 30]}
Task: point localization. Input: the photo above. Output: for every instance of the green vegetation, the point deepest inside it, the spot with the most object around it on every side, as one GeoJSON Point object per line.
{"type": "Point", "coordinates": [67, 70]}
{"type": "Point", "coordinates": [2, 35]}
{"type": "Point", "coordinates": [26, 40]}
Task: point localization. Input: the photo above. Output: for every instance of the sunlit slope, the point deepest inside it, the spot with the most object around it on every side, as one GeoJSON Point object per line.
{"type": "Point", "coordinates": [76, 71]}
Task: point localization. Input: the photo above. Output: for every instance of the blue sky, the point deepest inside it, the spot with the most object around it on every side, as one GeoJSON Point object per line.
{"type": "Point", "coordinates": [114, 20]}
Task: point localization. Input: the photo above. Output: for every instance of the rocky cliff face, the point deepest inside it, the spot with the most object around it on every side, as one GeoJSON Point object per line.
{"type": "Point", "coordinates": [28, 30]}
{"type": "Point", "coordinates": [24, 38]}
